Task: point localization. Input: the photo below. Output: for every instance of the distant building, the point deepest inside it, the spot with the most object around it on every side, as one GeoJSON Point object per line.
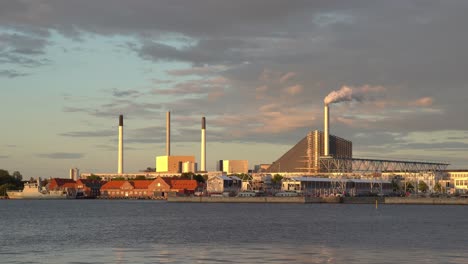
{"type": "Point", "coordinates": [74, 174]}
{"type": "Point", "coordinates": [88, 188]}
{"type": "Point", "coordinates": [172, 164]}
{"type": "Point", "coordinates": [458, 181]}
{"type": "Point", "coordinates": [234, 166]}
{"type": "Point", "coordinates": [304, 157]}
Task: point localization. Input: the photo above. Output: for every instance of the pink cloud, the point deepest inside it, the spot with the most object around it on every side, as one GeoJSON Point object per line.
{"type": "Point", "coordinates": [294, 90]}
{"type": "Point", "coordinates": [286, 77]}
{"type": "Point", "coordinates": [422, 102]}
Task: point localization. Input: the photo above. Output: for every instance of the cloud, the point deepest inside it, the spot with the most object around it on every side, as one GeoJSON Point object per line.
{"type": "Point", "coordinates": [203, 70]}
{"type": "Point", "coordinates": [294, 90]}
{"type": "Point", "coordinates": [287, 76]}
{"type": "Point", "coordinates": [126, 93]}
{"type": "Point", "coordinates": [4, 156]}
{"type": "Point", "coordinates": [94, 133]}
{"type": "Point", "coordinates": [61, 155]}
{"type": "Point", "coordinates": [422, 102]}
{"type": "Point", "coordinates": [12, 74]}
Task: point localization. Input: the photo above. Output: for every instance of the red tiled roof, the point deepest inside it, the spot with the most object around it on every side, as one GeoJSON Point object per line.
{"type": "Point", "coordinates": [184, 184]}
{"type": "Point", "coordinates": [141, 184]}
{"type": "Point", "coordinates": [69, 185]}
{"type": "Point", "coordinates": [113, 185]}
{"type": "Point", "coordinates": [58, 183]}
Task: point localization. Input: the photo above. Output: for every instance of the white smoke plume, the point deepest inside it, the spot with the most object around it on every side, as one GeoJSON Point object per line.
{"type": "Point", "coordinates": [347, 93]}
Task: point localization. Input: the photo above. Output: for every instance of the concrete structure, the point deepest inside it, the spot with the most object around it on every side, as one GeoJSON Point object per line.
{"type": "Point", "coordinates": [305, 156]}
{"type": "Point", "coordinates": [203, 145]}
{"type": "Point", "coordinates": [120, 156]}
{"type": "Point", "coordinates": [168, 133]}
{"type": "Point", "coordinates": [234, 166]}
{"type": "Point", "coordinates": [74, 174]}
{"type": "Point", "coordinates": [188, 166]}
{"type": "Point", "coordinates": [172, 164]}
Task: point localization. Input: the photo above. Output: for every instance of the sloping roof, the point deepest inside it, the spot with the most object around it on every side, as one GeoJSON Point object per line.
{"type": "Point", "coordinates": [184, 184]}
{"type": "Point", "coordinates": [58, 182]}
{"type": "Point", "coordinates": [113, 185]}
{"type": "Point", "coordinates": [141, 184]}
{"type": "Point", "coordinates": [69, 185]}
{"type": "Point", "coordinates": [90, 183]}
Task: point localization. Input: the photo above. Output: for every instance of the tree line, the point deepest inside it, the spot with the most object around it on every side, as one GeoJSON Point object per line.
{"type": "Point", "coordinates": [10, 182]}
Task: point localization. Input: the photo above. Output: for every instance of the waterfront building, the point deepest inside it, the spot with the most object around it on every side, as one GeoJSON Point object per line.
{"type": "Point", "coordinates": [332, 186]}
{"type": "Point", "coordinates": [88, 188]}
{"type": "Point", "coordinates": [220, 184]}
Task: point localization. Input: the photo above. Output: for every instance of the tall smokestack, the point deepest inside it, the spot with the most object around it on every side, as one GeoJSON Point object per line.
{"type": "Point", "coordinates": [326, 132]}
{"type": "Point", "coordinates": [168, 133]}
{"type": "Point", "coordinates": [120, 161]}
{"type": "Point", "coordinates": [203, 145]}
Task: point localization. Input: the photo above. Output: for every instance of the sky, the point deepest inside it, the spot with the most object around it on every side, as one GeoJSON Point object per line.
{"type": "Point", "coordinates": [259, 70]}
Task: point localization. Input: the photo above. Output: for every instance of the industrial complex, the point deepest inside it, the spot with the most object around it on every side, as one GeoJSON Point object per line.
{"type": "Point", "coordinates": [319, 164]}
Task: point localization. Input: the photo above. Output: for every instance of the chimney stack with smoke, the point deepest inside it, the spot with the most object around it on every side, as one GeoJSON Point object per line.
{"type": "Point", "coordinates": [203, 145]}
{"type": "Point", "coordinates": [326, 132]}
{"type": "Point", "coordinates": [120, 158]}
{"type": "Point", "coordinates": [168, 133]}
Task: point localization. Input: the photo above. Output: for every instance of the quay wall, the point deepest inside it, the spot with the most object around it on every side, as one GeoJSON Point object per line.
{"type": "Point", "coordinates": [429, 201]}
{"type": "Point", "coordinates": [298, 199]}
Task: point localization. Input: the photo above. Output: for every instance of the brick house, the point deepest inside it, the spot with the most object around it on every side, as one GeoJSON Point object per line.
{"type": "Point", "coordinates": [88, 188]}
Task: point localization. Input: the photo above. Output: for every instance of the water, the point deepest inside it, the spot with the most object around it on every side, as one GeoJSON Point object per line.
{"type": "Point", "coordinates": [121, 231]}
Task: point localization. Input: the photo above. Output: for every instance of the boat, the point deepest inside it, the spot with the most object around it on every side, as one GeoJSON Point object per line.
{"type": "Point", "coordinates": [36, 191]}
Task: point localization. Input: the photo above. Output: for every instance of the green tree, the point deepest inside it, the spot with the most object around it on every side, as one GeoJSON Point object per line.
{"type": "Point", "coordinates": [422, 186]}
{"type": "Point", "coordinates": [277, 178]}
{"type": "Point", "coordinates": [5, 187]}
{"type": "Point", "coordinates": [409, 187]}
{"type": "Point", "coordinates": [17, 175]}
{"type": "Point", "coordinates": [438, 187]}
{"type": "Point", "coordinates": [140, 177]}
{"type": "Point", "coordinates": [94, 177]}
{"type": "Point", "coordinates": [199, 178]}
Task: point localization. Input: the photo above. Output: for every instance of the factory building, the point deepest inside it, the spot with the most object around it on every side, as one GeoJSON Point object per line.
{"type": "Point", "coordinates": [233, 166]}
{"type": "Point", "coordinates": [174, 164]}
{"type": "Point", "coordinates": [304, 157]}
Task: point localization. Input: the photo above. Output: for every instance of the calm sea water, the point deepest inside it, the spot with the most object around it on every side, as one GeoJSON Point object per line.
{"type": "Point", "coordinates": [119, 231]}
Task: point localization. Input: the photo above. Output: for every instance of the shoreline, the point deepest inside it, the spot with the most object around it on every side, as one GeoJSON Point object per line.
{"type": "Point", "coordinates": [335, 200]}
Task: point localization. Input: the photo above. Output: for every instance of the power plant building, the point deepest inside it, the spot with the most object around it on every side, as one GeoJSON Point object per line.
{"type": "Point", "coordinates": [305, 156]}
{"type": "Point", "coordinates": [173, 164]}
{"type": "Point", "coordinates": [234, 166]}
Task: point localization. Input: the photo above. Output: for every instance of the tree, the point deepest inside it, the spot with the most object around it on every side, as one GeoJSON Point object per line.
{"type": "Point", "coordinates": [438, 187]}
{"type": "Point", "coordinates": [199, 178]}
{"type": "Point", "coordinates": [422, 186]}
{"type": "Point", "coordinates": [5, 187]}
{"type": "Point", "coordinates": [277, 178]}
{"type": "Point", "coordinates": [17, 175]}
{"type": "Point", "coordinates": [409, 187]}
{"type": "Point", "coordinates": [94, 177]}
{"type": "Point", "coordinates": [140, 177]}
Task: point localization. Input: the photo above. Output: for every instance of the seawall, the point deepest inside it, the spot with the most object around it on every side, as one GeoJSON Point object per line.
{"type": "Point", "coordinates": [300, 200]}
{"type": "Point", "coordinates": [308, 200]}
{"type": "Point", "coordinates": [429, 201]}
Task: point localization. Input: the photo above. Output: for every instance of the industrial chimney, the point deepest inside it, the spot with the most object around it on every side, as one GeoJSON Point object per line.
{"type": "Point", "coordinates": [168, 133]}
{"type": "Point", "coordinates": [120, 161]}
{"type": "Point", "coordinates": [326, 132]}
{"type": "Point", "coordinates": [203, 145]}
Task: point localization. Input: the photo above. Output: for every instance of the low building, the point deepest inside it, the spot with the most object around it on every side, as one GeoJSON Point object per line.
{"type": "Point", "coordinates": [88, 188]}
{"type": "Point", "coordinates": [186, 187]}
{"type": "Point", "coordinates": [458, 181]}
{"type": "Point", "coordinates": [138, 189]}
{"type": "Point", "coordinates": [221, 184]}
{"type": "Point", "coordinates": [332, 186]}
